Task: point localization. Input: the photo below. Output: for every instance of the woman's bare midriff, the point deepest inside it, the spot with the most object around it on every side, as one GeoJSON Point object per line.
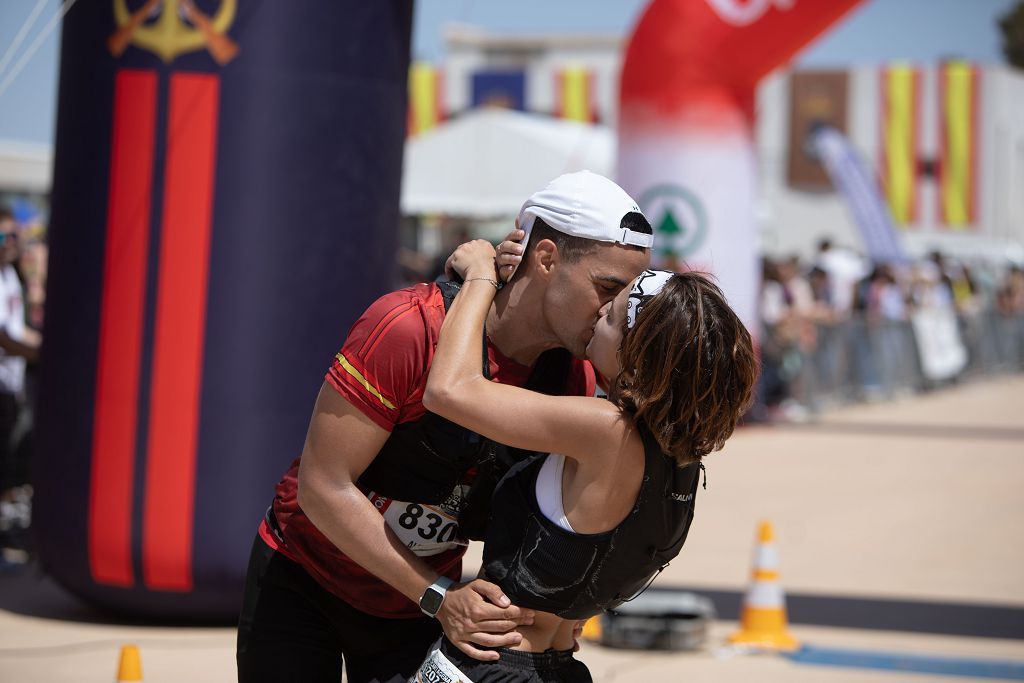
{"type": "Point", "coordinates": [548, 632]}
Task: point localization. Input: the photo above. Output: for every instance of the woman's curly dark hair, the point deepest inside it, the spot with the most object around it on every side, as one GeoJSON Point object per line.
{"type": "Point", "coordinates": [689, 368]}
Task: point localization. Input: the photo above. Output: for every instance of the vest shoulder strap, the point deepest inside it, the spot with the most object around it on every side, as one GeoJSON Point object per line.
{"type": "Point", "coordinates": [449, 288]}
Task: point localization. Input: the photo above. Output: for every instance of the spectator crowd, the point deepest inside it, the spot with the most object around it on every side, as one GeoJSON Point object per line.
{"type": "Point", "coordinates": [839, 328]}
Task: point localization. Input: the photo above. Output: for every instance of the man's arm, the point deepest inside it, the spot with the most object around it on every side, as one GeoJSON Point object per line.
{"type": "Point", "coordinates": [340, 444]}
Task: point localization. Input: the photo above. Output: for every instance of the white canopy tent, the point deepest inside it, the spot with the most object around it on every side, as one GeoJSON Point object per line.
{"type": "Point", "coordinates": [484, 163]}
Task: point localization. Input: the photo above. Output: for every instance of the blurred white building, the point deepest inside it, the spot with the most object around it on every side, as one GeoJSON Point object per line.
{"type": "Point", "coordinates": [792, 218]}
{"type": "Point", "coordinates": [947, 141]}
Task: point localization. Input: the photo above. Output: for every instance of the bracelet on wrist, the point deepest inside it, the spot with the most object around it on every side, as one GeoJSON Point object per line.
{"type": "Point", "coordinates": [485, 279]}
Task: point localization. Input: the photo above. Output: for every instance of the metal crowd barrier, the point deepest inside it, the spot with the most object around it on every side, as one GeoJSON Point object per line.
{"type": "Point", "coordinates": [865, 359]}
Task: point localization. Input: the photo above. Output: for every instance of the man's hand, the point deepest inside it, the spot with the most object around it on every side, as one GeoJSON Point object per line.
{"type": "Point", "coordinates": [478, 613]}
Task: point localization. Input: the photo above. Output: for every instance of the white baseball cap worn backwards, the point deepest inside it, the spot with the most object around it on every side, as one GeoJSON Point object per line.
{"type": "Point", "coordinates": [584, 204]}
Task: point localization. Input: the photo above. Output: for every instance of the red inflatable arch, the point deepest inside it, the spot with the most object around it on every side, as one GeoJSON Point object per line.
{"type": "Point", "coordinates": [686, 149]}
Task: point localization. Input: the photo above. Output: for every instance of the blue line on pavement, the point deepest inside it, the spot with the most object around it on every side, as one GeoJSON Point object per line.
{"type": "Point", "coordinates": [973, 668]}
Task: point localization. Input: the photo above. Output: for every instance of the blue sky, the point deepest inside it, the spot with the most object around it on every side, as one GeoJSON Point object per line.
{"type": "Point", "coordinates": [880, 30]}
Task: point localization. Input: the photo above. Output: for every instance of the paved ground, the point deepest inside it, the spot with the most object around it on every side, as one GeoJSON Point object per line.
{"type": "Point", "coordinates": [920, 500]}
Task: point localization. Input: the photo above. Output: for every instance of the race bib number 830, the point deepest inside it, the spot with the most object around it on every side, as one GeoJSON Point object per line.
{"type": "Point", "coordinates": [424, 529]}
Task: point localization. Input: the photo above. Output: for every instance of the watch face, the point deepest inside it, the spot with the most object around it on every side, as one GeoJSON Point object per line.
{"type": "Point", "coordinates": [431, 601]}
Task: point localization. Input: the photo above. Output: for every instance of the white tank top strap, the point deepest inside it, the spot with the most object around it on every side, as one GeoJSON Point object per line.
{"type": "Point", "coordinates": [549, 490]}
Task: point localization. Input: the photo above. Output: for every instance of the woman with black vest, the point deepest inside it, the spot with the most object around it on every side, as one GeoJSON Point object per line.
{"type": "Point", "coordinates": [580, 530]}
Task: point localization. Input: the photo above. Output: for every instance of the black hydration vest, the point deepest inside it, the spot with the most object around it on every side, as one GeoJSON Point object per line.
{"type": "Point", "coordinates": [422, 461]}
{"type": "Point", "coordinates": [540, 565]}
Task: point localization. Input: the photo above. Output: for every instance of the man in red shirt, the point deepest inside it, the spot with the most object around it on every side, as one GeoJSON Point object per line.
{"type": "Point", "coordinates": [360, 554]}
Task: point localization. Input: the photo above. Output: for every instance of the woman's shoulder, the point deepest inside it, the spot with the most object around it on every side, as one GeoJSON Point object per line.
{"type": "Point", "coordinates": [617, 438]}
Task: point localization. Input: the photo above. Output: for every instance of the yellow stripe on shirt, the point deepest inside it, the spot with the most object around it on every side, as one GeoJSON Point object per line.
{"type": "Point", "coordinates": [350, 369]}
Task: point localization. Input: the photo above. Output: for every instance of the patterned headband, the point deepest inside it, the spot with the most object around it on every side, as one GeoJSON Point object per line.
{"type": "Point", "coordinates": [645, 287]}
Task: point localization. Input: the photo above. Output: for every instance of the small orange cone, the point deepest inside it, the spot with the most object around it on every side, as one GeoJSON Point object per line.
{"type": "Point", "coordinates": [130, 666]}
{"type": "Point", "coordinates": [763, 621]}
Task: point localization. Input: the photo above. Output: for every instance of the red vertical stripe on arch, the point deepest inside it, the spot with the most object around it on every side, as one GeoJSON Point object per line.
{"type": "Point", "coordinates": [179, 332]}
{"type": "Point", "coordinates": [120, 330]}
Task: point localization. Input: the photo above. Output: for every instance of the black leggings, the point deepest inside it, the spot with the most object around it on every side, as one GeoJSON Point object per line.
{"type": "Point", "coordinates": [292, 629]}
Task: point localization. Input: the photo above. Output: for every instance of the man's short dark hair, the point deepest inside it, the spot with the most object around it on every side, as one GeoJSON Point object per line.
{"type": "Point", "coordinates": [572, 248]}
{"type": "Point", "coordinates": [5, 213]}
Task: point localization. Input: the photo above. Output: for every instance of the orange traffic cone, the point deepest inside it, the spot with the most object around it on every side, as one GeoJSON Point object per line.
{"type": "Point", "coordinates": [763, 621]}
{"type": "Point", "coordinates": [130, 666]}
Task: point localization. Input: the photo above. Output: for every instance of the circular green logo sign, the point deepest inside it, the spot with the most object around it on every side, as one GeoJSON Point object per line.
{"type": "Point", "coordinates": [678, 217]}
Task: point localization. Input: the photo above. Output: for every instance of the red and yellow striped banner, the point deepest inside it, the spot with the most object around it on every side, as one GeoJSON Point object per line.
{"type": "Point", "coordinates": [898, 167]}
{"type": "Point", "coordinates": [958, 144]}
{"type": "Point", "coordinates": [574, 88]}
{"type": "Point", "coordinates": [425, 100]}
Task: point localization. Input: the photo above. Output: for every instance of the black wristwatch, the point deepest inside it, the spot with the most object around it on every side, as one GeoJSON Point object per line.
{"type": "Point", "coordinates": [432, 598]}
